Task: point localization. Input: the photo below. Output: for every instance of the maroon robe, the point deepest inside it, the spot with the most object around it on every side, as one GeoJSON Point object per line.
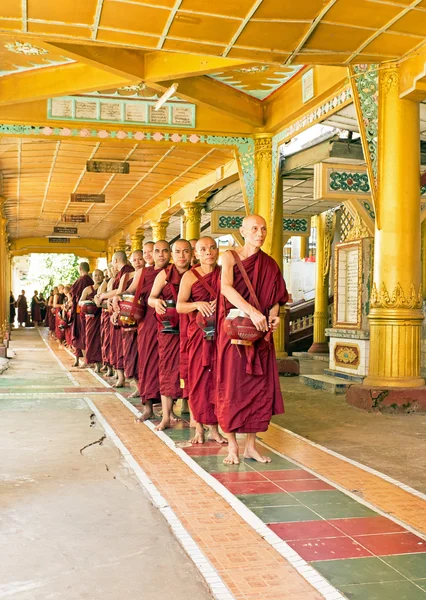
{"type": "Point", "coordinates": [248, 387]}
{"type": "Point", "coordinates": [60, 333]}
{"type": "Point", "coordinates": [116, 354]}
{"type": "Point", "coordinates": [169, 345]}
{"type": "Point", "coordinates": [50, 317]}
{"type": "Point", "coordinates": [22, 309]}
{"type": "Point", "coordinates": [105, 336]}
{"type": "Point", "coordinates": [201, 363]}
{"type": "Point", "coordinates": [78, 324]}
{"type": "Point", "coordinates": [93, 335]}
{"type": "Point", "coordinates": [68, 331]}
{"type": "Point", "coordinates": [148, 378]}
{"type": "Point", "coordinates": [130, 349]}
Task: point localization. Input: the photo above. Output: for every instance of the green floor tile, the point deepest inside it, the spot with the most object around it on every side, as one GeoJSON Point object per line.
{"type": "Point", "coordinates": [277, 464]}
{"type": "Point", "coordinates": [343, 511]}
{"type": "Point", "coordinates": [398, 590]}
{"type": "Point", "coordinates": [356, 571]}
{"type": "Point", "coordinates": [285, 514]}
{"type": "Point", "coordinates": [261, 500]}
{"type": "Point", "coordinates": [180, 434]}
{"type": "Point", "coordinates": [214, 464]}
{"type": "Point", "coordinates": [412, 566]}
{"type": "Point", "coordinates": [321, 498]}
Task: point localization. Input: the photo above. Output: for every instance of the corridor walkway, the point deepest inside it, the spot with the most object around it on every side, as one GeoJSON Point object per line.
{"type": "Point", "coordinates": [308, 526]}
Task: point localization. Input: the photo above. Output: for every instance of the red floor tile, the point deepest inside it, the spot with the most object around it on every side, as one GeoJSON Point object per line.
{"type": "Point", "coordinates": [367, 526]}
{"type": "Point", "coordinates": [243, 476]}
{"type": "Point", "coordinates": [289, 475]}
{"type": "Point", "coordinates": [328, 548]}
{"type": "Point", "coordinates": [254, 487]}
{"type": "Point", "coordinates": [392, 543]}
{"type": "Point", "coordinates": [204, 450]}
{"type": "Point", "coordinates": [305, 530]}
{"type": "Point", "coordinates": [308, 485]}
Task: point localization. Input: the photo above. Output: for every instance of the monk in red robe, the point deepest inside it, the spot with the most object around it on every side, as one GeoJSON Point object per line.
{"type": "Point", "coordinates": [148, 376]}
{"type": "Point", "coordinates": [93, 324]}
{"type": "Point", "coordinates": [106, 286]}
{"type": "Point", "coordinates": [198, 293]}
{"type": "Point", "coordinates": [130, 345]}
{"type": "Point", "coordinates": [22, 308]}
{"type": "Point", "coordinates": [166, 287]}
{"type": "Point", "coordinates": [58, 305]}
{"type": "Point", "coordinates": [248, 387]}
{"type": "Point", "coordinates": [148, 254]}
{"type": "Point", "coordinates": [78, 325]}
{"type": "Point", "coordinates": [66, 314]}
{"type": "Point", "coordinates": [119, 261]}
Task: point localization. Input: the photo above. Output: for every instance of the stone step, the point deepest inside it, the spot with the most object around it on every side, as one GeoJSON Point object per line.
{"type": "Point", "coordinates": [307, 356]}
{"type": "Point", "coordinates": [334, 385]}
{"type": "Point", "coordinates": [345, 376]}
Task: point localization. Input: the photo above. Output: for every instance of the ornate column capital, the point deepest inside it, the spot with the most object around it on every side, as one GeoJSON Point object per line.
{"type": "Point", "coordinates": [192, 211]}
{"type": "Point", "coordinates": [263, 149]}
{"type": "Point", "coordinates": [159, 229]}
{"type": "Point", "coordinates": [136, 241]}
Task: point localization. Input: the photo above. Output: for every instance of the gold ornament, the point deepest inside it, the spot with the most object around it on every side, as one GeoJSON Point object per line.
{"type": "Point", "coordinates": [382, 299]}
{"type": "Point", "coordinates": [358, 231]}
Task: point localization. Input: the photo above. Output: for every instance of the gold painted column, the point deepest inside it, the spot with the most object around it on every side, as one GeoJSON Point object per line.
{"type": "Point", "coordinates": [136, 241]}
{"type": "Point", "coordinates": [326, 222]}
{"type": "Point", "coordinates": [159, 230]}
{"type": "Point", "coordinates": [396, 299]}
{"type": "Point", "coordinates": [3, 298]}
{"type": "Point", "coordinates": [93, 264]}
{"type": "Point", "coordinates": [423, 255]}
{"type": "Point", "coordinates": [304, 247]}
{"type": "Point", "coordinates": [192, 219]}
{"type": "Point", "coordinates": [121, 245]}
{"type": "Point", "coordinates": [263, 184]}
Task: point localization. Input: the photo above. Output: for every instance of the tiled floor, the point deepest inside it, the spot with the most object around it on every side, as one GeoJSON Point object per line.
{"type": "Point", "coordinates": [364, 554]}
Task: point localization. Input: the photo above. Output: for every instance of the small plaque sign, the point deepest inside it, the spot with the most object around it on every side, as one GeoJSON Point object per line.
{"type": "Point", "coordinates": [75, 218]}
{"type": "Point", "coordinates": [98, 198]}
{"type": "Point", "coordinates": [59, 240]}
{"type": "Point", "coordinates": [105, 166]}
{"type": "Point", "coordinates": [182, 115]}
{"type": "Point", "coordinates": [136, 112]}
{"type": "Point", "coordinates": [65, 230]}
{"type": "Point", "coordinates": [86, 110]}
{"type": "Point", "coordinates": [61, 107]}
{"type": "Point", "coordinates": [110, 111]}
{"type": "Point", "coordinates": [160, 116]}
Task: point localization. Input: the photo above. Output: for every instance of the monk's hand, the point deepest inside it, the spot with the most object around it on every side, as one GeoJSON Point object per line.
{"type": "Point", "coordinates": [97, 300]}
{"type": "Point", "coordinates": [205, 308]}
{"type": "Point", "coordinates": [213, 304]}
{"type": "Point", "coordinates": [160, 306]}
{"type": "Point", "coordinates": [115, 303]}
{"type": "Point", "coordinates": [259, 320]}
{"type": "Point", "coordinates": [274, 323]}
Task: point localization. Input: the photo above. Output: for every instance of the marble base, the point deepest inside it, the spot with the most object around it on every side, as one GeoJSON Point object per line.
{"type": "Point", "coordinates": [349, 351]}
{"type": "Point", "coordinates": [386, 399]}
{"type": "Point", "coordinates": [348, 377]}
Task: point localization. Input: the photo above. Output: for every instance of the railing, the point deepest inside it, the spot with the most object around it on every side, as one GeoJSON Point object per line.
{"type": "Point", "coordinates": [299, 324]}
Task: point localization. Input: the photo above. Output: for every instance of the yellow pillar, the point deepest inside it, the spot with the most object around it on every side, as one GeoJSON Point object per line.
{"type": "Point", "coordinates": [325, 230]}
{"type": "Point", "coordinates": [304, 247]}
{"type": "Point", "coordinates": [263, 184]}
{"type": "Point", "coordinates": [192, 219]}
{"type": "Point", "coordinates": [423, 246]}
{"type": "Point", "coordinates": [93, 264]}
{"type": "Point", "coordinates": [159, 230]}
{"type": "Point", "coordinates": [136, 241]}
{"type": "Point", "coordinates": [396, 298]}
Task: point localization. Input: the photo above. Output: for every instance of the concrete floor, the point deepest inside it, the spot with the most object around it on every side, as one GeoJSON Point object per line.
{"type": "Point", "coordinates": [74, 526]}
{"type": "Point", "coordinates": [392, 444]}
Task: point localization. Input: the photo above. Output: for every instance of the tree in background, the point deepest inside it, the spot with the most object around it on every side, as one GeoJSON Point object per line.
{"type": "Point", "coordinates": [47, 270]}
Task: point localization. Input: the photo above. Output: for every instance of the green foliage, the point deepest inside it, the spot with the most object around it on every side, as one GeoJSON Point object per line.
{"type": "Point", "coordinates": [48, 270]}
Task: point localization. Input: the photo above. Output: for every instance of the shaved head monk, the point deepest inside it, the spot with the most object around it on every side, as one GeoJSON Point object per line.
{"type": "Point", "coordinates": [130, 346]}
{"type": "Point", "coordinates": [148, 253]}
{"type": "Point", "coordinates": [93, 324]}
{"type": "Point", "coordinates": [248, 388]}
{"type": "Point", "coordinates": [198, 293]}
{"type": "Point", "coordinates": [121, 266]}
{"type": "Point", "coordinates": [78, 324]}
{"type": "Point", "coordinates": [166, 287]}
{"type": "Point", "coordinates": [148, 377]}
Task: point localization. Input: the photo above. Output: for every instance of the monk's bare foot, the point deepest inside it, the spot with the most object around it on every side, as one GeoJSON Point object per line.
{"type": "Point", "coordinates": [104, 369]}
{"type": "Point", "coordinates": [216, 436]}
{"type": "Point", "coordinates": [135, 394]}
{"type": "Point", "coordinates": [174, 418]}
{"type": "Point", "coordinates": [165, 424]}
{"type": "Point", "coordinates": [120, 383]}
{"type": "Point", "coordinates": [192, 423]}
{"type": "Point", "coordinates": [83, 366]}
{"type": "Point", "coordinates": [76, 363]}
{"type": "Point", "coordinates": [254, 455]}
{"type": "Point", "coordinates": [199, 435]}
{"type": "Point", "coordinates": [185, 407]}
{"type": "Point", "coordinates": [110, 372]}
{"type": "Point", "coordinates": [98, 368]}
{"type": "Point", "coordinates": [147, 414]}
{"type": "Point", "coordinates": [232, 458]}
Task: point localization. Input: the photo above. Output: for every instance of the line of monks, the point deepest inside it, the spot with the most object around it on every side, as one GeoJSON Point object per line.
{"type": "Point", "coordinates": [171, 320]}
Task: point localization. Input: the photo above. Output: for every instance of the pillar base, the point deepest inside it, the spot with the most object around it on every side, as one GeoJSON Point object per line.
{"type": "Point", "coordinates": [3, 351]}
{"type": "Point", "coordinates": [393, 382]}
{"type": "Point", "coordinates": [319, 348]}
{"type": "Point", "coordinates": [288, 366]}
{"type": "Point", "coordinates": [387, 399]}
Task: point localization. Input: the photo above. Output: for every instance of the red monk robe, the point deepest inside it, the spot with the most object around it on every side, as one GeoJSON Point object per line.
{"type": "Point", "coordinates": [116, 353]}
{"type": "Point", "coordinates": [105, 336]}
{"type": "Point", "coordinates": [148, 377]}
{"type": "Point", "coordinates": [248, 387]}
{"type": "Point", "coordinates": [78, 324]}
{"type": "Point", "coordinates": [60, 333]}
{"type": "Point", "coordinates": [201, 367]}
{"type": "Point", "coordinates": [169, 345]}
{"type": "Point", "coordinates": [130, 349]}
{"type": "Point", "coordinates": [93, 335]}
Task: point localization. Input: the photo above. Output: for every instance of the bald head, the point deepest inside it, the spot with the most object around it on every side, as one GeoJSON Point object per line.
{"type": "Point", "coordinates": [182, 254]}
{"type": "Point", "coordinates": [161, 254]}
{"type": "Point", "coordinates": [119, 259]}
{"type": "Point", "coordinates": [207, 251]}
{"type": "Point", "coordinates": [98, 276]}
{"type": "Point", "coordinates": [254, 231]}
{"type": "Point", "coordinates": [136, 260]}
{"type": "Point", "coordinates": [148, 253]}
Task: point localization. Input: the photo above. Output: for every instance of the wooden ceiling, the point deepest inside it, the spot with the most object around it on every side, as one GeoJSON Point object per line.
{"type": "Point", "coordinates": [281, 31]}
{"type": "Point", "coordinates": [39, 175]}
